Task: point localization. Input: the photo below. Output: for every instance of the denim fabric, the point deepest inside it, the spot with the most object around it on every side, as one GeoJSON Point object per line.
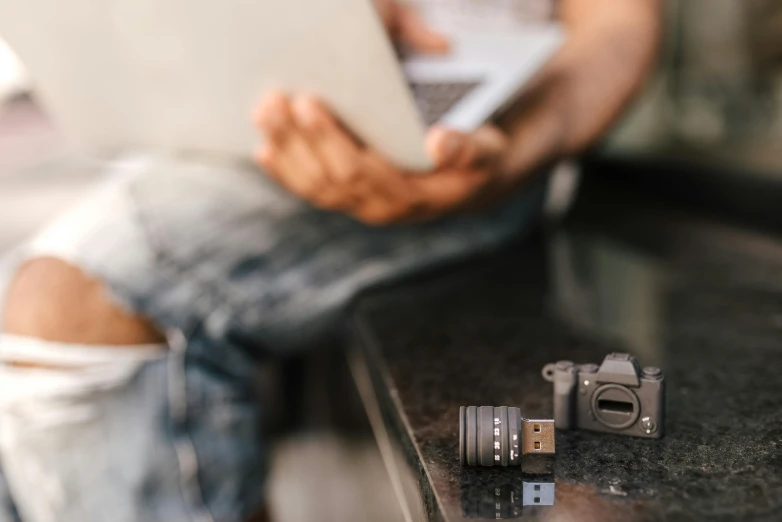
{"type": "Point", "coordinates": [233, 268]}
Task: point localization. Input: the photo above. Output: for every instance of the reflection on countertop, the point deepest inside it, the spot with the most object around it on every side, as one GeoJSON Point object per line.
{"type": "Point", "coordinates": [506, 496]}
{"type": "Point", "coordinates": [698, 298]}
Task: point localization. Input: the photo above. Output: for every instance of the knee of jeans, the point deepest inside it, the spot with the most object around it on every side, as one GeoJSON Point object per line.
{"type": "Point", "coordinates": [46, 383]}
{"type": "Point", "coordinates": [64, 344]}
{"type": "Point", "coordinates": [52, 300]}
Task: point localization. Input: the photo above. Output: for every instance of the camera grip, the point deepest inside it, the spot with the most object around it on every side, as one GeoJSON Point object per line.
{"type": "Point", "coordinates": [565, 385]}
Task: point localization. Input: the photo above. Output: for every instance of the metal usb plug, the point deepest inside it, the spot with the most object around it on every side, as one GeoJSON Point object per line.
{"type": "Point", "coordinates": [538, 493]}
{"type": "Point", "coordinates": [537, 437]}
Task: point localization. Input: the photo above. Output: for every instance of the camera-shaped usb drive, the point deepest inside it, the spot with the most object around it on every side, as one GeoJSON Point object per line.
{"type": "Point", "coordinates": [616, 397]}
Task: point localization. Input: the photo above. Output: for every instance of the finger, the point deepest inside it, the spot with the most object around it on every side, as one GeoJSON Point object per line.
{"type": "Point", "coordinates": [445, 146]}
{"type": "Point", "coordinates": [378, 214]}
{"type": "Point", "coordinates": [271, 163]}
{"type": "Point", "coordinates": [389, 183]}
{"type": "Point", "coordinates": [445, 190]}
{"type": "Point", "coordinates": [294, 165]}
{"type": "Point", "coordinates": [490, 145]}
{"type": "Point", "coordinates": [273, 116]}
{"type": "Point", "coordinates": [340, 155]}
{"type": "Point", "coordinates": [386, 9]}
{"type": "Point", "coordinates": [414, 32]}
{"type": "Point", "coordinates": [264, 158]}
{"type": "Point", "coordinates": [452, 149]}
{"type": "Point", "coordinates": [381, 200]}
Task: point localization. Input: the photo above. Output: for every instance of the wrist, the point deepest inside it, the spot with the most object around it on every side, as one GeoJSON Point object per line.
{"type": "Point", "coordinates": [538, 135]}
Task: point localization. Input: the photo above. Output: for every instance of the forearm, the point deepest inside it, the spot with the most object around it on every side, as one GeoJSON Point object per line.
{"type": "Point", "coordinates": [611, 47]}
{"type": "Point", "coordinates": [611, 51]}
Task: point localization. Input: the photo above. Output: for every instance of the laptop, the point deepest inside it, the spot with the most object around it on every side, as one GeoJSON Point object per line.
{"type": "Point", "coordinates": [183, 76]}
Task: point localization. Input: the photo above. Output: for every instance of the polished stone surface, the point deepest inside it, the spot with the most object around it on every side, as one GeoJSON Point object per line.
{"type": "Point", "coordinates": [699, 298]}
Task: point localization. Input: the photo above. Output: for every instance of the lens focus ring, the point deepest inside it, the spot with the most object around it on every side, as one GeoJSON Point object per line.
{"type": "Point", "coordinates": [489, 436]}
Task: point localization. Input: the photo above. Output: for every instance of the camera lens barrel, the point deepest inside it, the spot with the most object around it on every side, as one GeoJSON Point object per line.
{"type": "Point", "coordinates": [489, 436]}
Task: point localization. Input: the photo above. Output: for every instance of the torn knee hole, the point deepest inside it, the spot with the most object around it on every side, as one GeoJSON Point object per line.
{"type": "Point", "coordinates": [56, 301]}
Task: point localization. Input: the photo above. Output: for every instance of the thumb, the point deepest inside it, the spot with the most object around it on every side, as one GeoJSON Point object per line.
{"type": "Point", "coordinates": [449, 148]}
{"type": "Point", "coordinates": [412, 31]}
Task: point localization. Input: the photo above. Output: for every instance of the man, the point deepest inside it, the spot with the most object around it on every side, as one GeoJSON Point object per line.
{"type": "Point", "coordinates": [131, 324]}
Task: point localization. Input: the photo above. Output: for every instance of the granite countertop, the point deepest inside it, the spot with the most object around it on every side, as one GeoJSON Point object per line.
{"type": "Point", "coordinates": [696, 297]}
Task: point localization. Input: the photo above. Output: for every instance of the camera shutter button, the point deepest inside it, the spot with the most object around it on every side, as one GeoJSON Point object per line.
{"type": "Point", "coordinates": [650, 372]}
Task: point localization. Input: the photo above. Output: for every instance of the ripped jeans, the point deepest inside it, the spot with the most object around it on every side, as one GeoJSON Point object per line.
{"type": "Point", "coordinates": [233, 269]}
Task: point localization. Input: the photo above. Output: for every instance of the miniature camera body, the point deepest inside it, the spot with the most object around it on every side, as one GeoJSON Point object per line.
{"type": "Point", "coordinates": [616, 397]}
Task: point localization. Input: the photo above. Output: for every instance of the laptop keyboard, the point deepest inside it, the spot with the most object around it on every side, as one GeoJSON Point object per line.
{"type": "Point", "coordinates": [434, 100]}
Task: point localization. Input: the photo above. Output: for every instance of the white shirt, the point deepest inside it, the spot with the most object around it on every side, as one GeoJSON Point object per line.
{"type": "Point", "coordinates": [479, 14]}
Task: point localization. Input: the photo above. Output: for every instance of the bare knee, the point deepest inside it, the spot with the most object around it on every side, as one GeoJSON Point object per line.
{"type": "Point", "coordinates": [52, 300]}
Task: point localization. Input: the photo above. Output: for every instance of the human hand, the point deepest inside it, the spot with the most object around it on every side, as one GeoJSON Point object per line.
{"type": "Point", "coordinates": [308, 152]}
{"type": "Point", "coordinates": [406, 27]}
{"type": "Point", "coordinates": [576, 98]}
{"type": "Point", "coordinates": [312, 155]}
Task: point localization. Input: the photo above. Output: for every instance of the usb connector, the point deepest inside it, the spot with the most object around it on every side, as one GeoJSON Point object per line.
{"type": "Point", "coordinates": [537, 437]}
{"type": "Point", "coordinates": [538, 493]}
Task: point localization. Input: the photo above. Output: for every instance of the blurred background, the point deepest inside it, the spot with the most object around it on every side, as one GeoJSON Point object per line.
{"type": "Point", "coordinates": [716, 99]}
{"type": "Point", "coordinates": [718, 92]}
